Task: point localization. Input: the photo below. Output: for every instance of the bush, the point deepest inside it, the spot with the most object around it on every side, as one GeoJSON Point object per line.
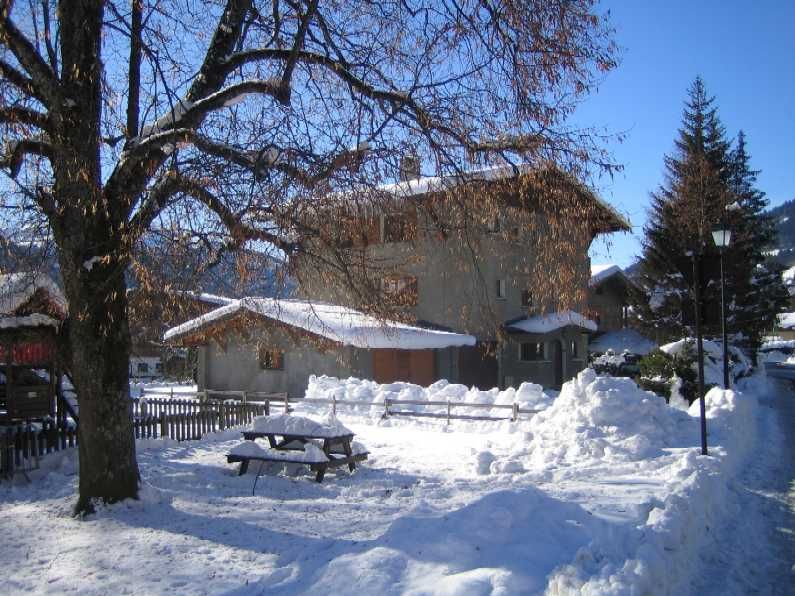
{"type": "Point", "coordinates": [658, 371]}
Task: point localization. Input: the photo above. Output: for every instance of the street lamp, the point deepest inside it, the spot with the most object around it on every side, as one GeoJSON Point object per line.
{"type": "Point", "coordinates": [721, 234]}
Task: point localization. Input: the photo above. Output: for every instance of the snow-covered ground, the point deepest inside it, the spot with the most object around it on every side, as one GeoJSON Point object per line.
{"type": "Point", "coordinates": [602, 492]}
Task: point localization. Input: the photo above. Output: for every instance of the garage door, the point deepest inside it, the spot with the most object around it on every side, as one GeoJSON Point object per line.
{"type": "Point", "coordinates": [411, 366]}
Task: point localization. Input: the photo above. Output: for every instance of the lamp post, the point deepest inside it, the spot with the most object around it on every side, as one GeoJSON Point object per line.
{"type": "Point", "coordinates": [721, 234]}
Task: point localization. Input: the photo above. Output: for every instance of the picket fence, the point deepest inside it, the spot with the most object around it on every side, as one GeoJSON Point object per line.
{"type": "Point", "coordinates": [23, 445]}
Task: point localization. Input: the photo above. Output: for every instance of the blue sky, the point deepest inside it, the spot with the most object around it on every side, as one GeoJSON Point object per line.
{"type": "Point", "coordinates": [744, 51]}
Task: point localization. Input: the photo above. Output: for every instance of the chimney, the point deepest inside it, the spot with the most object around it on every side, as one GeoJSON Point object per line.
{"type": "Point", "coordinates": [409, 168]}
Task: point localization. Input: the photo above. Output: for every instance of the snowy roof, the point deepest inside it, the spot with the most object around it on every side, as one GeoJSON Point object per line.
{"type": "Point", "coordinates": [428, 184]}
{"type": "Point", "coordinates": [17, 288]}
{"type": "Point", "coordinates": [337, 323]}
{"type": "Point", "coordinates": [786, 320]}
{"type": "Point", "coordinates": [600, 273]}
{"type": "Point", "coordinates": [210, 298]}
{"type": "Point", "coordinates": [551, 322]}
{"type": "Point", "coordinates": [34, 320]}
{"type": "Point", "coordinates": [624, 339]}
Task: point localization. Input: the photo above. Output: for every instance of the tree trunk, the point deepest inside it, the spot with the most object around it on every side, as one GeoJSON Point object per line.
{"type": "Point", "coordinates": [88, 228]}
{"type": "Point", "coordinates": [100, 340]}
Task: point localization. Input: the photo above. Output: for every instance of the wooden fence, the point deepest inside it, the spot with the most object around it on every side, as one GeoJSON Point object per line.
{"type": "Point", "coordinates": [191, 420]}
{"type": "Point", "coordinates": [22, 445]}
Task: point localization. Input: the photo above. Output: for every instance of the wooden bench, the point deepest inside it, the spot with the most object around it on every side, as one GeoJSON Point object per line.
{"type": "Point", "coordinates": [336, 448]}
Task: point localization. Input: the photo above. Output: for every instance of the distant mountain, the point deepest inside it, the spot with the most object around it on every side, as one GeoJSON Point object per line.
{"type": "Point", "coordinates": [784, 250]}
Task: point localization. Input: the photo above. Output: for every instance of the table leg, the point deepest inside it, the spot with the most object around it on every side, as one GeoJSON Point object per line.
{"type": "Point", "coordinates": [346, 447]}
{"type": "Point", "coordinates": [321, 471]}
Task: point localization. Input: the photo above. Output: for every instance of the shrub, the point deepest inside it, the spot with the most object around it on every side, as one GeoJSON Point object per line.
{"type": "Point", "coordinates": [658, 371]}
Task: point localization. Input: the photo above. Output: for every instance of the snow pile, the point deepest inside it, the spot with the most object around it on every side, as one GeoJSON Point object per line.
{"type": "Point", "coordinates": [371, 396]}
{"type": "Point", "coordinates": [602, 419]}
{"type": "Point", "coordinates": [662, 555]}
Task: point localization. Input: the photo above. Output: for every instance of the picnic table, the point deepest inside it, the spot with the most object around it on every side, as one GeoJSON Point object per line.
{"type": "Point", "coordinates": [295, 439]}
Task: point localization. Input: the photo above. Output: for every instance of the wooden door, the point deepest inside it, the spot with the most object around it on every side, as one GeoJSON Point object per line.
{"type": "Point", "coordinates": [411, 366]}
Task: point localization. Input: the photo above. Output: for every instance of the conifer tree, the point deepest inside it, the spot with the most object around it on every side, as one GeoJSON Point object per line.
{"type": "Point", "coordinates": [683, 209]}
{"type": "Point", "coordinates": [708, 183]}
{"type": "Point", "coordinates": [754, 281]}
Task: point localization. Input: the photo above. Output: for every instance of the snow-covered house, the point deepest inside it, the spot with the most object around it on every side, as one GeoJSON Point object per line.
{"type": "Point", "coordinates": [475, 324]}
{"type": "Point", "coordinates": [274, 345]}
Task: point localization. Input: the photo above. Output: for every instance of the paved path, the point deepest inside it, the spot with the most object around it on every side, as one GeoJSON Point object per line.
{"type": "Point", "coordinates": [755, 552]}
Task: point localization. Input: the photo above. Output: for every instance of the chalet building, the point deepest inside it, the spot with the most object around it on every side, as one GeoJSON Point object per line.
{"type": "Point", "coordinates": [479, 320]}
{"type": "Point", "coordinates": [608, 297]}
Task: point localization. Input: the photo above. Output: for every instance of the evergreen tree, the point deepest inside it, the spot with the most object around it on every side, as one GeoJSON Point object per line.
{"type": "Point", "coordinates": [708, 183]}
{"type": "Point", "coordinates": [683, 210]}
{"type": "Point", "coordinates": [754, 281]}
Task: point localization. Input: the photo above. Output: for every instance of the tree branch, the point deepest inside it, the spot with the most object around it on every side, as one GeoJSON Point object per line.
{"type": "Point", "coordinates": [19, 80]}
{"type": "Point", "coordinates": [17, 150]}
{"type": "Point", "coordinates": [134, 75]}
{"type": "Point", "coordinates": [21, 115]}
{"type": "Point", "coordinates": [42, 76]}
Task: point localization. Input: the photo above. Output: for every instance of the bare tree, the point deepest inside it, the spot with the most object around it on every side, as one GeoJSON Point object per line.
{"type": "Point", "coordinates": [226, 120]}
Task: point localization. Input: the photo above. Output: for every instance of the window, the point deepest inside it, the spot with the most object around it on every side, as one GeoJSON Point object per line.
{"type": "Point", "coordinates": [573, 349]}
{"type": "Point", "coordinates": [527, 298]}
{"type": "Point", "coordinates": [400, 227]}
{"type": "Point", "coordinates": [502, 290]}
{"type": "Point", "coordinates": [143, 368]}
{"type": "Point", "coordinates": [270, 359]}
{"type": "Point", "coordinates": [530, 351]}
{"type": "Point", "coordinates": [158, 366]}
{"type": "Point", "coordinates": [400, 290]}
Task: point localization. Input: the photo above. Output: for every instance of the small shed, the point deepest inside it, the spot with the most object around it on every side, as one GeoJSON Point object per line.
{"type": "Point", "coordinates": [32, 309]}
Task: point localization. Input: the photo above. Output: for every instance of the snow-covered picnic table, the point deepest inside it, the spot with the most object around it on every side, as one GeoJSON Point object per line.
{"type": "Point", "coordinates": [295, 439]}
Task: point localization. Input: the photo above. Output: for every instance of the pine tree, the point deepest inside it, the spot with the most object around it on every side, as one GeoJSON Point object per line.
{"type": "Point", "coordinates": [683, 209]}
{"type": "Point", "coordinates": [754, 281]}
{"type": "Point", "coordinates": [708, 183]}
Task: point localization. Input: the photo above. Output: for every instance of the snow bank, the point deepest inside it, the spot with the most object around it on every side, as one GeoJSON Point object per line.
{"type": "Point", "coordinates": [371, 396]}
{"type": "Point", "coordinates": [662, 554]}
{"type": "Point", "coordinates": [603, 419]}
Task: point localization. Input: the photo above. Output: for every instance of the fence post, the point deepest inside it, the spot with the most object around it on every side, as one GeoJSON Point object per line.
{"type": "Point", "coordinates": [286, 404]}
{"type": "Point", "coordinates": [515, 412]}
{"type": "Point", "coordinates": [334, 403]}
{"type": "Point", "coordinates": [448, 411]}
{"type": "Point", "coordinates": [244, 396]}
{"type": "Point", "coordinates": [221, 421]}
{"type": "Point", "coordinates": [386, 407]}
{"type": "Point", "coordinates": [171, 389]}
{"type": "Point", "coordinates": [163, 425]}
